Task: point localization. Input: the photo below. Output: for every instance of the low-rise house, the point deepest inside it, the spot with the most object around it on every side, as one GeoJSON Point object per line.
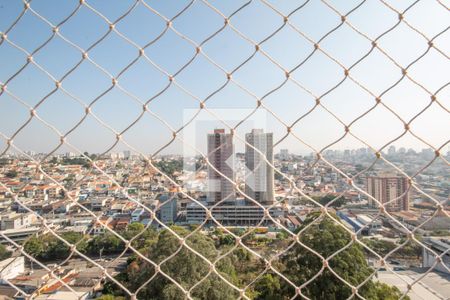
{"type": "Point", "coordinates": [82, 218]}
{"type": "Point", "coordinates": [116, 208]}
{"type": "Point", "coordinates": [4, 193]}
{"type": "Point", "coordinates": [62, 207]}
{"type": "Point", "coordinates": [28, 191]}
{"type": "Point", "coordinates": [16, 221]}
{"type": "Point", "coordinates": [98, 203]}
{"type": "Point", "coordinates": [121, 223]}
{"type": "Point", "coordinates": [295, 221]}
{"type": "Point", "coordinates": [37, 207]}
{"type": "Point", "coordinates": [99, 225]}
{"type": "Point", "coordinates": [137, 214]}
{"type": "Point", "coordinates": [83, 229]}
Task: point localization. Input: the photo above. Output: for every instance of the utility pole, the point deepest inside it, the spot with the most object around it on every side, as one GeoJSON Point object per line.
{"type": "Point", "coordinates": [100, 252]}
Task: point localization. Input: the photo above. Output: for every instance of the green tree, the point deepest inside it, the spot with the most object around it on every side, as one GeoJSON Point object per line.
{"type": "Point", "coordinates": [410, 250]}
{"type": "Point", "coordinates": [382, 291]}
{"type": "Point", "coordinates": [112, 289]}
{"type": "Point", "coordinates": [49, 247]}
{"type": "Point", "coordinates": [140, 236]}
{"type": "Point", "coordinates": [227, 239]}
{"type": "Point", "coordinates": [268, 287]}
{"type": "Point", "coordinates": [4, 253]}
{"type": "Point", "coordinates": [106, 243]}
{"type": "Point", "coordinates": [326, 238]}
{"type": "Point", "coordinates": [240, 267]}
{"type": "Point", "coordinates": [169, 167]}
{"type": "Point", "coordinates": [34, 246]}
{"type": "Point", "coordinates": [11, 174]}
{"type": "Point", "coordinates": [381, 247]}
{"type": "Point", "coordinates": [75, 238]}
{"type": "Point", "coordinates": [185, 267]}
{"type": "Point", "coordinates": [282, 235]}
{"type": "Point", "coordinates": [135, 227]}
{"type": "Point", "coordinates": [328, 198]}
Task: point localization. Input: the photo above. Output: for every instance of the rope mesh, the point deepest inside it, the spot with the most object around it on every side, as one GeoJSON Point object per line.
{"type": "Point", "coordinates": [224, 21]}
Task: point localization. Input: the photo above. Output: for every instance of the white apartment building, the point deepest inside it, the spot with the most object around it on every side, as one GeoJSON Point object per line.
{"type": "Point", "coordinates": [16, 221]}
{"type": "Point", "coordinates": [284, 154]}
{"type": "Point", "coordinates": [98, 203]}
{"type": "Point", "coordinates": [259, 179]}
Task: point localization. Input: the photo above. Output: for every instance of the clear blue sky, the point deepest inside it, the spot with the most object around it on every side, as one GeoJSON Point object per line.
{"type": "Point", "coordinates": [229, 50]}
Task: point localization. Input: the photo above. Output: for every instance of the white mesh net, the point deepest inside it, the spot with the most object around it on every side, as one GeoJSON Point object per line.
{"type": "Point", "coordinates": [74, 76]}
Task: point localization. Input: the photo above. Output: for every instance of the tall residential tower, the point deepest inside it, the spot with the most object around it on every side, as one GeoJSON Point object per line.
{"type": "Point", "coordinates": [392, 189]}
{"type": "Point", "coordinates": [221, 156]}
{"type": "Point", "coordinates": [259, 179]}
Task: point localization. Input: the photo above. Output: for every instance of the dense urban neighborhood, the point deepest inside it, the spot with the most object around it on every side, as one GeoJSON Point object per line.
{"type": "Point", "coordinates": [113, 206]}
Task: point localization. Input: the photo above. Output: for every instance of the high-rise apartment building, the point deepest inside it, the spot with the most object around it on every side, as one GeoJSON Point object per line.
{"type": "Point", "coordinates": [392, 189]}
{"type": "Point", "coordinates": [221, 156]}
{"type": "Point", "coordinates": [127, 154]}
{"type": "Point", "coordinates": [284, 154]}
{"type": "Point", "coordinates": [259, 179]}
{"type": "Point", "coordinates": [391, 150]}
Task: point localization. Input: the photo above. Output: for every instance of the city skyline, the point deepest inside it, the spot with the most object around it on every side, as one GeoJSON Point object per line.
{"type": "Point", "coordinates": [399, 150]}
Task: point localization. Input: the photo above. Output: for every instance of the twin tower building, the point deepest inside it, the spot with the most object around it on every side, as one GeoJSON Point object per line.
{"type": "Point", "coordinates": [259, 171]}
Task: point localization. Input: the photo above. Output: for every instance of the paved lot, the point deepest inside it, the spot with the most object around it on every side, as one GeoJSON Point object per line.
{"type": "Point", "coordinates": [432, 286]}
